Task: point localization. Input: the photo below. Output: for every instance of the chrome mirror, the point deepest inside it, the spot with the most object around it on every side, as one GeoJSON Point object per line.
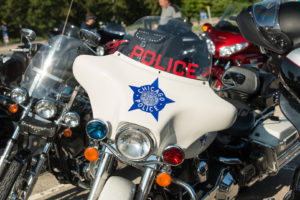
{"type": "Point", "coordinates": [28, 34]}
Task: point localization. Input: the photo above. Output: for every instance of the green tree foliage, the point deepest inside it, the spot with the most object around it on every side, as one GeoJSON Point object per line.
{"type": "Point", "coordinates": [43, 15]}
{"type": "Point", "coordinates": [191, 8]}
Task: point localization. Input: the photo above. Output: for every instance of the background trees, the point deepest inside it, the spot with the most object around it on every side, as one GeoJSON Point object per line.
{"type": "Point", "coordinates": [43, 15]}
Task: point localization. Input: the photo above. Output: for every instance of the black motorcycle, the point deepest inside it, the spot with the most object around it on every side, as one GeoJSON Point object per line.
{"type": "Point", "coordinates": [50, 110]}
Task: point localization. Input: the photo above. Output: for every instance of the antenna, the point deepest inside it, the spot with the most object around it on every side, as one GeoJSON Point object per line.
{"type": "Point", "coordinates": [67, 17]}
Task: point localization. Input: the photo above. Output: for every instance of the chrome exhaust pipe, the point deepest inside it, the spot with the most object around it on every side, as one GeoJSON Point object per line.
{"type": "Point", "coordinates": [288, 155]}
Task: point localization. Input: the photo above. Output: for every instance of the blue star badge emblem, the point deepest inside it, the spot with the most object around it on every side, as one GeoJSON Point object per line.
{"type": "Point", "coordinates": [149, 98]}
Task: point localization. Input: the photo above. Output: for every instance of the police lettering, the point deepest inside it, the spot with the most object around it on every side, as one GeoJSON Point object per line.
{"type": "Point", "coordinates": [151, 59]}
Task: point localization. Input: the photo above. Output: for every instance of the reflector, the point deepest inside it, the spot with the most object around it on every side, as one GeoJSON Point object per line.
{"type": "Point", "coordinates": [91, 154]}
{"type": "Point", "coordinates": [163, 179]}
{"type": "Point", "coordinates": [173, 155]}
{"type": "Point", "coordinates": [13, 108]}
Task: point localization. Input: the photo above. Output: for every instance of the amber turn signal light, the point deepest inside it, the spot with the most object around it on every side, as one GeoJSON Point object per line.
{"type": "Point", "coordinates": [13, 108]}
{"type": "Point", "coordinates": [163, 179]}
{"type": "Point", "coordinates": [67, 133]}
{"type": "Point", "coordinates": [91, 154]}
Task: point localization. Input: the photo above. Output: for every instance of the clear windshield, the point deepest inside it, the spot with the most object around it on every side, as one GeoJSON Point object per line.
{"type": "Point", "coordinates": [51, 67]}
{"type": "Point", "coordinates": [115, 28]}
{"type": "Point", "coordinates": [172, 47]}
{"type": "Point", "coordinates": [266, 12]}
{"type": "Point", "coordinates": [230, 14]}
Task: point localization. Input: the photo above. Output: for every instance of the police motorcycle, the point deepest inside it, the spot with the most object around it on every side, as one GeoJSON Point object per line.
{"type": "Point", "coordinates": [160, 115]}
{"type": "Point", "coordinates": [51, 112]}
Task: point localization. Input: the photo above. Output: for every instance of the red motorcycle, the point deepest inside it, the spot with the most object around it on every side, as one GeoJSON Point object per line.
{"type": "Point", "coordinates": [230, 47]}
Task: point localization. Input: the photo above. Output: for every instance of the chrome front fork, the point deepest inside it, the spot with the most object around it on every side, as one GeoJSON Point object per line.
{"type": "Point", "coordinates": [9, 146]}
{"type": "Point", "coordinates": [145, 184]}
{"type": "Point", "coordinates": [11, 142]}
{"type": "Point", "coordinates": [103, 171]}
{"type": "Point", "coordinates": [31, 180]}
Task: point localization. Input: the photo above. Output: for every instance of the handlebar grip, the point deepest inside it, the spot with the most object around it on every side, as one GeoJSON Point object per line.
{"type": "Point", "coordinates": [19, 50]}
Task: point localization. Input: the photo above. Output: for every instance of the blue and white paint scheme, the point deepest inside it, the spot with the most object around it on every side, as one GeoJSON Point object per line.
{"type": "Point", "coordinates": [149, 98]}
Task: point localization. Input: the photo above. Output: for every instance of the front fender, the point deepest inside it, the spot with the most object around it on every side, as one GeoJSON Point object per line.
{"type": "Point", "coordinates": [117, 188]}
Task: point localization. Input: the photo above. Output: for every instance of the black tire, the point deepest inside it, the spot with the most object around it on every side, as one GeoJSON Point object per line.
{"type": "Point", "coordinates": [8, 178]}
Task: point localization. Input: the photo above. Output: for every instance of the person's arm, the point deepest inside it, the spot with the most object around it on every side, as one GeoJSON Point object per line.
{"type": "Point", "coordinates": [176, 13]}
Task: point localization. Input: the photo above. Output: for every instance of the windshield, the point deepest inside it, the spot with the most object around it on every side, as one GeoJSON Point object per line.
{"type": "Point", "coordinates": [228, 20]}
{"type": "Point", "coordinates": [115, 28]}
{"type": "Point", "coordinates": [266, 12]}
{"type": "Point", "coordinates": [171, 47]}
{"type": "Point", "coordinates": [51, 67]}
{"type": "Point", "coordinates": [231, 13]}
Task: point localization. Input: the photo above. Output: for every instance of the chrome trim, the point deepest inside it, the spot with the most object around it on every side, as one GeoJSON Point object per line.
{"type": "Point", "coordinates": [273, 164]}
{"type": "Point", "coordinates": [8, 149]}
{"type": "Point", "coordinates": [31, 180]}
{"type": "Point", "coordinates": [98, 120]}
{"type": "Point", "coordinates": [202, 171]}
{"type": "Point", "coordinates": [11, 141]}
{"type": "Point", "coordinates": [212, 193]}
{"type": "Point", "coordinates": [227, 66]}
{"type": "Point", "coordinates": [263, 117]}
{"type": "Point", "coordinates": [129, 161]}
{"type": "Point", "coordinates": [103, 171]}
{"type": "Point", "coordinates": [187, 187]}
{"type": "Point", "coordinates": [50, 101]}
{"type": "Point", "coordinates": [230, 161]}
{"type": "Point", "coordinates": [141, 129]}
{"type": "Point", "coordinates": [19, 90]}
{"type": "Point", "coordinates": [289, 155]}
{"type": "Point", "coordinates": [228, 188]}
{"type": "Point", "coordinates": [173, 146]}
{"type": "Point", "coordinates": [71, 113]}
{"type": "Point", "coordinates": [278, 162]}
{"type": "Point", "coordinates": [145, 184]}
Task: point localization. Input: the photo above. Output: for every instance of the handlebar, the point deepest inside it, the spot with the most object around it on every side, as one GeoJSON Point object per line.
{"type": "Point", "coordinates": [20, 50]}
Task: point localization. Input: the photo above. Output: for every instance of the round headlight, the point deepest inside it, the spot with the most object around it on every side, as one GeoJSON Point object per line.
{"type": "Point", "coordinates": [71, 119]}
{"type": "Point", "coordinates": [18, 95]}
{"type": "Point", "coordinates": [134, 143]}
{"type": "Point", "coordinates": [97, 129]}
{"type": "Point", "coordinates": [45, 108]}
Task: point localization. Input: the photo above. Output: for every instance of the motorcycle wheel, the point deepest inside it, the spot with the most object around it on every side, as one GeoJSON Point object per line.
{"type": "Point", "coordinates": [9, 178]}
{"type": "Point", "coordinates": [296, 185]}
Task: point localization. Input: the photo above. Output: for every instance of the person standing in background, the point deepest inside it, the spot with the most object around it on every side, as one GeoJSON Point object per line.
{"type": "Point", "coordinates": [89, 23]}
{"type": "Point", "coordinates": [4, 32]}
{"type": "Point", "coordinates": [169, 10]}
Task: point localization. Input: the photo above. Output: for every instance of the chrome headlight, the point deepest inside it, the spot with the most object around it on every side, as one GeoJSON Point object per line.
{"type": "Point", "coordinates": [134, 142]}
{"type": "Point", "coordinates": [18, 95]}
{"type": "Point", "coordinates": [71, 119]}
{"type": "Point", "coordinates": [210, 46]}
{"type": "Point", "coordinates": [228, 50]}
{"type": "Point", "coordinates": [97, 129]}
{"type": "Point", "coordinates": [45, 108]}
